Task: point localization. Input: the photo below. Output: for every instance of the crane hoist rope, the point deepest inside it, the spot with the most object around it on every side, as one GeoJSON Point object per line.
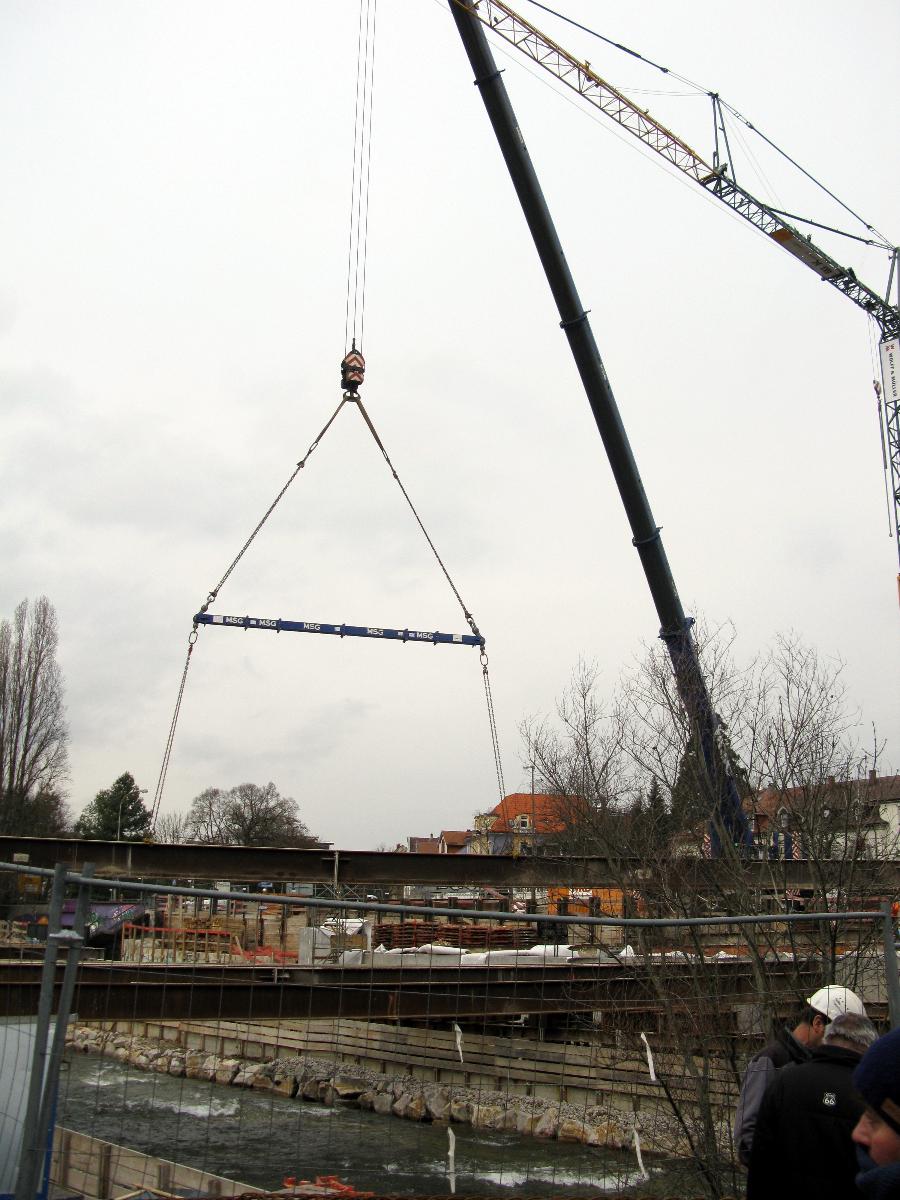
{"type": "Point", "coordinates": [353, 368]}
{"type": "Point", "coordinates": [352, 375]}
{"type": "Point", "coordinates": [358, 237]}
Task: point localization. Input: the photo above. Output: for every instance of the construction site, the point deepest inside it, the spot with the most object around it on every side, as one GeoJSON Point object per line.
{"type": "Point", "coordinates": [621, 1036]}
{"type": "Point", "coordinates": [560, 995]}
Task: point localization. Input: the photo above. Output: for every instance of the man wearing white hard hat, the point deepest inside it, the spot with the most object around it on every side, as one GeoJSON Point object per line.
{"type": "Point", "coordinates": [788, 1046]}
{"type": "Point", "coordinates": [801, 1142]}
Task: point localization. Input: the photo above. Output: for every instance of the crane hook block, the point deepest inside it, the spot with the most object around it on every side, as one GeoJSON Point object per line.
{"type": "Point", "coordinates": [353, 371]}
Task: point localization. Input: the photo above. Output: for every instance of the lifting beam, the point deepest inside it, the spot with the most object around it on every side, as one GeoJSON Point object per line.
{"type": "Point", "coordinates": [277, 625]}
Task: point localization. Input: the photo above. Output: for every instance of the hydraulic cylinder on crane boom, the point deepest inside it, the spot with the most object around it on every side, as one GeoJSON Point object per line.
{"type": "Point", "coordinates": [729, 821]}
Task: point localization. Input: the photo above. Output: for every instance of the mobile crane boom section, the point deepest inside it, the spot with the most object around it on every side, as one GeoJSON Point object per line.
{"type": "Point", "coordinates": [578, 76]}
{"type": "Point", "coordinates": [730, 822]}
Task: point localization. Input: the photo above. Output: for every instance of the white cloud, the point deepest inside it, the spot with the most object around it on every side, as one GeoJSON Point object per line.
{"type": "Point", "coordinates": [173, 228]}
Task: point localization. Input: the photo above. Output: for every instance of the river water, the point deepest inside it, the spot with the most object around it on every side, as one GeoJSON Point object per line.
{"type": "Point", "coordinates": [259, 1138]}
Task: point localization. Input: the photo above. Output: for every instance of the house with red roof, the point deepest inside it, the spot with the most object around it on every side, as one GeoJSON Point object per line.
{"type": "Point", "coordinates": [525, 823]}
{"type": "Point", "coordinates": [449, 841]}
{"type": "Point", "coordinates": [861, 816]}
{"type": "Point", "coordinates": [453, 841]}
{"type": "Point", "coordinates": [423, 845]}
{"type": "Point", "coordinates": [831, 818]}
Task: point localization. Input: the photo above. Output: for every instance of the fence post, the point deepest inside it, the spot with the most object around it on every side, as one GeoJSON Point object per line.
{"type": "Point", "coordinates": [73, 940]}
{"type": "Point", "coordinates": [891, 970]}
{"type": "Point", "coordinates": [30, 1153]}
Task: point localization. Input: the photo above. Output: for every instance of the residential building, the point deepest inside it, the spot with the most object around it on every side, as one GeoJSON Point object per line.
{"type": "Point", "coordinates": [858, 816]}
{"type": "Point", "coordinates": [424, 845]}
{"type": "Point", "coordinates": [525, 823]}
{"type": "Point", "coordinates": [453, 841]}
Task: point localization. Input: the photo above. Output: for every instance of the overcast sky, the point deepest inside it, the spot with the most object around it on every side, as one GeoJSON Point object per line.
{"type": "Point", "coordinates": [173, 247]}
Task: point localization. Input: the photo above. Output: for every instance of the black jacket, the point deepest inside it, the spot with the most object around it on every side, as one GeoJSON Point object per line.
{"type": "Point", "coordinates": [780, 1052]}
{"type": "Point", "coordinates": [801, 1145]}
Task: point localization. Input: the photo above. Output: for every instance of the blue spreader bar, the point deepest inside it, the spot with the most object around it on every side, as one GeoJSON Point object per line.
{"type": "Point", "coordinates": [277, 625]}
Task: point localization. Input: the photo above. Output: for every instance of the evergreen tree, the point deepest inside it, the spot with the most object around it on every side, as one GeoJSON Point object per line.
{"type": "Point", "coordinates": [655, 807]}
{"type": "Point", "coordinates": [694, 795]}
{"type": "Point", "coordinates": [691, 800]}
{"type": "Point", "coordinates": [651, 823]}
{"type": "Point", "coordinates": [43, 814]}
{"type": "Point", "coordinates": [116, 814]}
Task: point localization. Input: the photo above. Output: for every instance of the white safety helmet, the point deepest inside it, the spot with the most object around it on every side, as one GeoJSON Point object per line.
{"type": "Point", "coordinates": [831, 1001]}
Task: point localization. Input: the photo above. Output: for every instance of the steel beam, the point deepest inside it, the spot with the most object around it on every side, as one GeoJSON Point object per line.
{"type": "Point", "coordinates": [117, 991]}
{"type": "Point", "coordinates": [359, 868]}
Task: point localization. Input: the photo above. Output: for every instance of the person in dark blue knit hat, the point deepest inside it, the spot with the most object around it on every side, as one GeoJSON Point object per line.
{"type": "Point", "coordinates": [877, 1133]}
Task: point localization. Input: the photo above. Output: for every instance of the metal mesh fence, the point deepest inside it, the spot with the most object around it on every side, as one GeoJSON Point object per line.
{"type": "Point", "coordinates": [222, 1042]}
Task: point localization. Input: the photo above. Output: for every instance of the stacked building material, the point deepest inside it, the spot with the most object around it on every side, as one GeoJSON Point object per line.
{"type": "Point", "coordinates": [401, 935]}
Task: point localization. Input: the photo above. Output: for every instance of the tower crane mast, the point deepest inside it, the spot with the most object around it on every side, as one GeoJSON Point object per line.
{"type": "Point", "coordinates": [715, 180]}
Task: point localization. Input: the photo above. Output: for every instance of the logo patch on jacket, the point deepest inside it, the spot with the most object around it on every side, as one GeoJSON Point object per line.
{"type": "Point", "coordinates": [829, 1100]}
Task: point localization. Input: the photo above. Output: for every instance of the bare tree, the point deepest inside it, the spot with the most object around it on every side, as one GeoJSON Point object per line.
{"type": "Point", "coordinates": [33, 731]}
{"type": "Point", "coordinates": [580, 752]}
{"type": "Point", "coordinates": [206, 818]}
{"type": "Point", "coordinates": [787, 729]}
{"type": "Point", "coordinates": [816, 792]}
{"type": "Point", "coordinates": [247, 815]}
{"type": "Point", "coordinates": [172, 827]}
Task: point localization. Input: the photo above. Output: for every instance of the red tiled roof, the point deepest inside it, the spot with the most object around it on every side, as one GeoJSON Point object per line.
{"type": "Point", "coordinates": [455, 837]}
{"type": "Point", "coordinates": [881, 790]}
{"type": "Point", "coordinates": [549, 814]}
{"type": "Point", "coordinates": [424, 845]}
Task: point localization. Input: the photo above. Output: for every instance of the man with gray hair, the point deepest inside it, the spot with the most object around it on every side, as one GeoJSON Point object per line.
{"type": "Point", "coordinates": [788, 1046]}
{"type": "Point", "coordinates": [802, 1145]}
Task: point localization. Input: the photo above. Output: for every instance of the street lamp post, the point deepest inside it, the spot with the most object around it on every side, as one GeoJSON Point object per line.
{"type": "Point", "coordinates": [533, 839]}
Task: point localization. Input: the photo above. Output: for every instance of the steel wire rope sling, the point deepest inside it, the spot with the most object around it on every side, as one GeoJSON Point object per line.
{"type": "Point", "coordinates": [353, 368]}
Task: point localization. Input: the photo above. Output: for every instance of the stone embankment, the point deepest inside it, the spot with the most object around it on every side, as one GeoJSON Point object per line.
{"type": "Point", "coordinates": [332, 1083]}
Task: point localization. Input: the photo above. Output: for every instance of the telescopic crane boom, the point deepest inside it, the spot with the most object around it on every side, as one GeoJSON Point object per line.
{"type": "Point", "coordinates": [542, 50]}
{"type": "Point", "coordinates": [729, 823]}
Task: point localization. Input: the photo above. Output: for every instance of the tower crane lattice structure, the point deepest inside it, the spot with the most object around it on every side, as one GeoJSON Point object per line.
{"type": "Point", "coordinates": [715, 180]}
